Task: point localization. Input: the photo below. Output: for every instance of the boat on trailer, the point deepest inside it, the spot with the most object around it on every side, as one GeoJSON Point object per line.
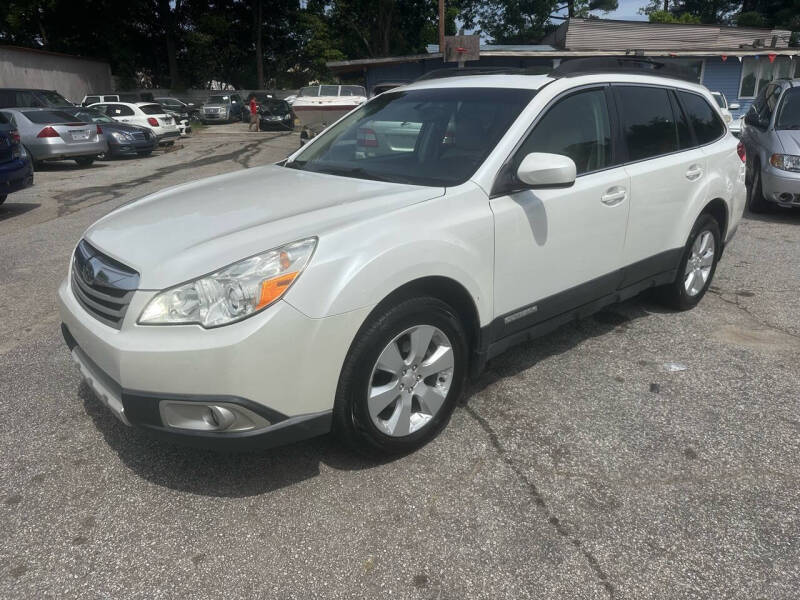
{"type": "Point", "coordinates": [318, 106]}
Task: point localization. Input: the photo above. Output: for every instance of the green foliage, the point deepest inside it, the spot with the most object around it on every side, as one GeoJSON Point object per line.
{"type": "Point", "coordinates": [663, 16]}
{"type": "Point", "coordinates": [524, 21]}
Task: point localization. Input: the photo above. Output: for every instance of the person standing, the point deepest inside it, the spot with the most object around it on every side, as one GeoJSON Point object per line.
{"type": "Point", "coordinates": [253, 114]}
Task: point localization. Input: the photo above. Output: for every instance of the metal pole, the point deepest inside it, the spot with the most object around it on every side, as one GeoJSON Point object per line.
{"type": "Point", "coordinates": [441, 26]}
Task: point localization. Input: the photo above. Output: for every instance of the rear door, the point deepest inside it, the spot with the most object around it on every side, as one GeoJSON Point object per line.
{"type": "Point", "coordinates": [667, 172]}
{"type": "Point", "coordinates": [559, 248]}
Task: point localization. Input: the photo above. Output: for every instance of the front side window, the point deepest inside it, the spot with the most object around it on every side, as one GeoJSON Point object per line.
{"type": "Point", "coordinates": [704, 119]}
{"type": "Point", "coordinates": [577, 126]}
{"type": "Point", "coordinates": [789, 110]}
{"type": "Point", "coordinates": [436, 137]}
{"type": "Point", "coordinates": [648, 123]}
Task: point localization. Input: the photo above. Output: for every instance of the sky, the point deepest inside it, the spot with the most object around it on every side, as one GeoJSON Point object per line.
{"type": "Point", "coordinates": [628, 10]}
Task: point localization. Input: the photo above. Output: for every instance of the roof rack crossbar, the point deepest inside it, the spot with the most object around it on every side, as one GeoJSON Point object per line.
{"type": "Point", "coordinates": [622, 64]}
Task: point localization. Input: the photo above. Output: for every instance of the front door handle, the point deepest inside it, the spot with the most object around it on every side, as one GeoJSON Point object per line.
{"type": "Point", "coordinates": [694, 173]}
{"type": "Point", "coordinates": [614, 195]}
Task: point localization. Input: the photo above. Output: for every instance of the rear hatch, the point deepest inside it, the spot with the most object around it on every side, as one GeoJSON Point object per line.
{"type": "Point", "coordinates": [157, 111]}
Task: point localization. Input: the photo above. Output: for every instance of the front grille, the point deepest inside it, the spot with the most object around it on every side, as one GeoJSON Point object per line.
{"type": "Point", "coordinates": [139, 136]}
{"type": "Point", "coordinates": [102, 285]}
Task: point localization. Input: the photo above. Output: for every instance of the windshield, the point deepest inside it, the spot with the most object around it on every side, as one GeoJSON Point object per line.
{"type": "Point", "coordinates": [90, 115]}
{"type": "Point", "coordinates": [436, 137]}
{"type": "Point", "coordinates": [50, 117]}
{"type": "Point", "coordinates": [353, 90]}
{"type": "Point", "coordinates": [219, 99]}
{"type": "Point", "coordinates": [309, 91]}
{"type": "Point", "coordinates": [275, 106]}
{"type": "Point", "coordinates": [54, 98]}
{"type": "Point", "coordinates": [152, 109]}
{"type": "Point", "coordinates": [720, 100]}
{"type": "Point", "coordinates": [789, 111]}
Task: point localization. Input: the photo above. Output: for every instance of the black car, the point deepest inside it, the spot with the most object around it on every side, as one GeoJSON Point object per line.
{"type": "Point", "coordinates": [32, 98]}
{"type": "Point", "coordinates": [274, 113]}
{"type": "Point", "coordinates": [122, 138]}
{"type": "Point", "coordinates": [16, 167]}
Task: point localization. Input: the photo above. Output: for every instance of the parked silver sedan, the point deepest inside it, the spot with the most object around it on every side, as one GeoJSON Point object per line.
{"type": "Point", "coordinates": [49, 134]}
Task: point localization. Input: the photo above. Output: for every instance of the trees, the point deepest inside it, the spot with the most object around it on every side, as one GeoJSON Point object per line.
{"type": "Point", "coordinates": [524, 21]}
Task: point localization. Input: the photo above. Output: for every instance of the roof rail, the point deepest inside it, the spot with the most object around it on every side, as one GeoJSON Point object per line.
{"type": "Point", "coordinates": [622, 64]}
{"type": "Point", "coordinates": [468, 71]}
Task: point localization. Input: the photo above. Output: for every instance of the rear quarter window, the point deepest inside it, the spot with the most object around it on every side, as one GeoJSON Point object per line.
{"type": "Point", "coordinates": [703, 118]}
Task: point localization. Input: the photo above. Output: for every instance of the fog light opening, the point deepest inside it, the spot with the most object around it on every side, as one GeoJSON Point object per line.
{"type": "Point", "coordinates": [786, 197]}
{"type": "Point", "coordinates": [209, 416]}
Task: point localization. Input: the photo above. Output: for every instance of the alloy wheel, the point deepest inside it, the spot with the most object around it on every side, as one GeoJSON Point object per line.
{"type": "Point", "coordinates": [410, 380]}
{"type": "Point", "coordinates": [698, 266]}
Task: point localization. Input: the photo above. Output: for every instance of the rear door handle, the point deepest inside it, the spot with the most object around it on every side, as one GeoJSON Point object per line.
{"type": "Point", "coordinates": [614, 195]}
{"type": "Point", "coordinates": [694, 173]}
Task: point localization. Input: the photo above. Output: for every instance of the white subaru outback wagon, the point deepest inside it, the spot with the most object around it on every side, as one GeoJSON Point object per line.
{"type": "Point", "coordinates": [354, 286]}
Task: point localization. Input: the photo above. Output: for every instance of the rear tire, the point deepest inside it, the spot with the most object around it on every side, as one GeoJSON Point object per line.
{"type": "Point", "coordinates": [756, 202]}
{"type": "Point", "coordinates": [419, 388]}
{"type": "Point", "coordinates": [697, 267]}
{"type": "Point", "coordinates": [85, 161]}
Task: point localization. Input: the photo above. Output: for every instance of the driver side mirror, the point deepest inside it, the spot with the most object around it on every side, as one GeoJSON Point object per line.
{"type": "Point", "coordinates": [541, 169]}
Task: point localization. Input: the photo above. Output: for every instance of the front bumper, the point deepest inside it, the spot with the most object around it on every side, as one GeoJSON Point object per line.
{"type": "Point", "coordinates": [216, 116]}
{"type": "Point", "coordinates": [116, 148]}
{"type": "Point", "coordinates": [169, 136]}
{"type": "Point", "coordinates": [280, 364]}
{"type": "Point", "coordinates": [781, 187]}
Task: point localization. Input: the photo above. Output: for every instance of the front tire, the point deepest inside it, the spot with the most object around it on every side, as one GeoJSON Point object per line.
{"type": "Point", "coordinates": [697, 266]}
{"type": "Point", "coordinates": [402, 378]}
{"type": "Point", "coordinates": [756, 202]}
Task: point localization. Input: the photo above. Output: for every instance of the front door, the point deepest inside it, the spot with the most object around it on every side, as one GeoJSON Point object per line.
{"type": "Point", "coordinates": [556, 249]}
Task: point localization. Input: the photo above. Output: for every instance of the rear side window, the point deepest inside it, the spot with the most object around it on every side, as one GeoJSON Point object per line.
{"type": "Point", "coordinates": [3, 119]}
{"type": "Point", "coordinates": [647, 121]}
{"type": "Point", "coordinates": [6, 98]}
{"type": "Point", "coordinates": [578, 127]}
{"type": "Point", "coordinates": [704, 119]}
{"type": "Point", "coordinates": [118, 110]}
{"type": "Point", "coordinates": [26, 98]}
{"type": "Point", "coordinates": [152, 109]}
{"type": "Point", "coordinates": [92, 99]}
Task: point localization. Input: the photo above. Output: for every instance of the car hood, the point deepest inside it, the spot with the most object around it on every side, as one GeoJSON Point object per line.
{"type": "Point", "coordinates": [193, 229]}
{"type": "Point", "coordinates": [117, 126]}
{"type": "Point", "coordinates": [790, 140]}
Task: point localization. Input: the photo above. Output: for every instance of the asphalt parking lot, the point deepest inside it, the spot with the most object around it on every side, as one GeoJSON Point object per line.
{"type": "Point", "coordinates": [641, 453]}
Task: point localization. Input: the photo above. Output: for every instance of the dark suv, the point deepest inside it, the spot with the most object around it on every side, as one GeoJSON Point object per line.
{"type": "Point", "coordinates": [24, 98]}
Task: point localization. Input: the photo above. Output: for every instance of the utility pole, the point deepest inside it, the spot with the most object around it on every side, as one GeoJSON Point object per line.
{"type": "Point", "coordinates": [441, 26]}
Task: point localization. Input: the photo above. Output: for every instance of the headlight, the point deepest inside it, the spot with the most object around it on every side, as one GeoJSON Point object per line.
{"type": "Point", "coordinates": [234, 292]}
{"type": "Point", "coordinates": [785, 162]}
{"type": "Point", "coordinates": [120, 137]}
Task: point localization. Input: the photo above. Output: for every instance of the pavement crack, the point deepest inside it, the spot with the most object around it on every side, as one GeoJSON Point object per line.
{"type": "Point", "coordinates": [720, 294]}
{"type": "Point", "coordinates": [538, 499]}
